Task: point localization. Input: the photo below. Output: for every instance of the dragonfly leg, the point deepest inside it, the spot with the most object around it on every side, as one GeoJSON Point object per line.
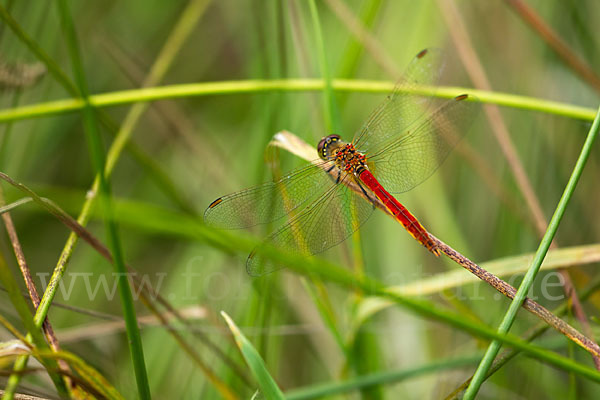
{"type": "Point", "coordinates": [360, 185]}
{"type": "Point", "coordinates": [339, 177]}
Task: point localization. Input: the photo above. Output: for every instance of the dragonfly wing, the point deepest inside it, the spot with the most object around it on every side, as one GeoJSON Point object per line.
{"type": "Point", "coordinates": [403, 106]}
{"type": "Point", "coordinates": [270, 201]}
{"type": "Point", "coordinates": [402, 163]}
{"type": "Point", "coordinates": [324, 223]}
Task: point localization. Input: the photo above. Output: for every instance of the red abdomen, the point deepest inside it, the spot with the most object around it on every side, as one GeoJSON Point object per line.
{"type": "Point", "coordinates": [399, 212]}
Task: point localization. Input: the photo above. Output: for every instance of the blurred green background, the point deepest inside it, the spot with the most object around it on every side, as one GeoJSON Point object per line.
{"type": "Point", "coordinates": [189, 151]}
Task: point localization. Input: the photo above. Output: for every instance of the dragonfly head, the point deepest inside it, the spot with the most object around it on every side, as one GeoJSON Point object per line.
{"type": "Point", "coordinates": [328, 146]}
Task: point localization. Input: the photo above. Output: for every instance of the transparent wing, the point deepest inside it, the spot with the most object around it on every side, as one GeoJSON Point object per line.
{"type": "Point", "coordinates": [403, 107]}
{"type": "Point", "coordinates": [402, 163]}
{"type": "Point", "coordinates": [324, 223]}
{"type": "Point", "coordinates": [270, 201]}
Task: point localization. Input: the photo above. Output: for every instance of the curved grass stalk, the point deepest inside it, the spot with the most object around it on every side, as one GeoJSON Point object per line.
{"type": "Point", "coordinates": [289, 85]}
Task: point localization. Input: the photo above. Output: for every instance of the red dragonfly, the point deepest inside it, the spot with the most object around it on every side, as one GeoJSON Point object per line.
{"type": "Point", "coordinates": [403, 142]}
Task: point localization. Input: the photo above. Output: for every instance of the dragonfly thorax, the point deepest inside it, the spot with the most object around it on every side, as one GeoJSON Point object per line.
{"type": "Point", "coordinates": [345, 156]}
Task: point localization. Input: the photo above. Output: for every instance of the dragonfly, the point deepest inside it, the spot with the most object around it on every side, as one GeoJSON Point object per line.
{"type": "Point", "coordinates": [318, 206]}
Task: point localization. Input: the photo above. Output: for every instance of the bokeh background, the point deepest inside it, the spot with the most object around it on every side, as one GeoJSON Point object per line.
{"type": "Point", "coordinates": [185, 152]}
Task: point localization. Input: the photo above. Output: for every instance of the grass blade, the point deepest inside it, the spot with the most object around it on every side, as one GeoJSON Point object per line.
{"type": "Point", "coordinates": [97, 154]}
{"type": "Point", "coordinates": [377, 378]}
{"type": "Point", "coordinates": [90, 375]}
{"type": "Point", "coordinates": [156, 219]}
{"type": "Point", "coordinates": [266, 382]}
{"type": "Point", "coordinates": [332, 120]}
{"type": "Point", "coordinates": [34, 334]}
{"type": "Point", "coordinates": [515, 305]}
{"type": "Point", "coordinates": [292, 85]}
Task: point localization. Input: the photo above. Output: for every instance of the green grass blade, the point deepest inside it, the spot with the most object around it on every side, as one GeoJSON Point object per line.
{"type": "Point", "coordinates": [331, 273]}
{"type": "Point", "coordinates": [377, 378]}
{"type": "Point", "coordinates": [206, 129]}
{"type": "Point", "coordinates": [97, 154]}
{"type": "Point", "coordinates": [181, 32]}
{"type": "Point", "coordinates": [584, 294]}
{"type": "Point", "coordinates": [332, 119]}
{"type": "Point", "coordinates": [366, 356]}
{"type": "Point", "coordinates": [160, 220]}
{"type": "Point", "coordinates": [7, 134]}
{"type": "Point", "coordinates": [354, 49]}
{"type": "Point", "coordinates": [317, 292]}
{"type": "Point", "coordinates": [166, 56]}
{"type": "Point", "coordinates": [529, 278]}
{"type": "Point", "coordinates": [34, 333]}
{"type": "Point", "coordinates": [89, 374]}
{"type": "Point", "coordinates": [267, 384]}
{"type": "Point", "coordinates": [291, 85]}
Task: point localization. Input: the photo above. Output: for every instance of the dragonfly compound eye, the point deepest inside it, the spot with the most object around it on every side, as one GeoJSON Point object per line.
{"type": "Point", "coordinates": [324, 144]}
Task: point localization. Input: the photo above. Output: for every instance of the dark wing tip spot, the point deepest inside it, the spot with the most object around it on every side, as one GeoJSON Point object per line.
{"type": "Point", "coordinates": [210, 208]}
{"type": "Point", "coordinates": [215, 203]}
{"type": "Point", "coordinates": [461, 97]}
{"type": "Point", "coordinates": [422, 53]}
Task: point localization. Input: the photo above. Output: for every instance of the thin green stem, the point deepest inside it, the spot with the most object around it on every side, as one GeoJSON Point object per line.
{"type": "Point", "coordinates": [181, 31]}
{"type": "Point", "coordinates": [332, 123]}
{"type": "Point", "coordinates": [318, 294]}
{"type": "Point", "coordinates": [5, 141]}
{"type": "Point", "coordinates": [377, 378]}
{"type": "Point", "coordinates": [509, 317]}
{"type": "Point", "coordinates": [538, 331]}
{"type": "Point", "coordinates": [96, 151]}
{"type": "Point", "coordinates": [291, 85]}
{"type": "Point", "coordinates": [15, 204]}
{"type": "Point", "coordinates": [354, 48]}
